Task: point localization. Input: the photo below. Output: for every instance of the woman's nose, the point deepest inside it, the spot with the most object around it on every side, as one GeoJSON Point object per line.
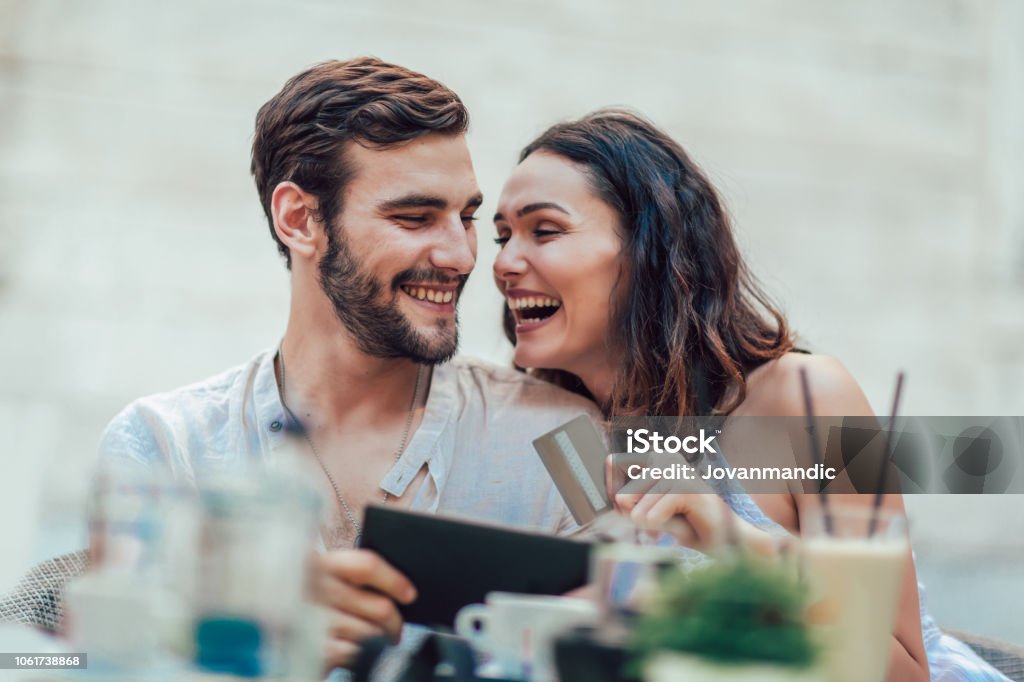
{"type": "Point", "coordinates": [510, 262]}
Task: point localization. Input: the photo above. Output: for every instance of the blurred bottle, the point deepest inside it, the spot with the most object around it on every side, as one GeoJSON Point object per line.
{"type": "Point", "coordinates": [250, 611]}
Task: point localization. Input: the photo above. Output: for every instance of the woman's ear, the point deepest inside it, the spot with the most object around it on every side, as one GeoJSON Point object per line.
{"type": "Point", "coordinates": [295, 219]}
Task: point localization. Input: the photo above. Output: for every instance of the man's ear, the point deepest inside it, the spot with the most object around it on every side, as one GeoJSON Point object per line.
{"type": "Point", "coordinates": [295, 222]}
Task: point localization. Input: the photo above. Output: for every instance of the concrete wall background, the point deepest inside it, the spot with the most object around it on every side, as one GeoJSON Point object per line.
{"type": "Point", "coordinates": [871, 152]}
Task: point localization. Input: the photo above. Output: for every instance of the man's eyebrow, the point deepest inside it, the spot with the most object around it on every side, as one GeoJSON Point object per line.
{"type": "Point", "coordinates": [475, 202]}
{"type": "Point", "coordinates": [413, 201]}
{"type": "Point", "coordinates": [530, 208]}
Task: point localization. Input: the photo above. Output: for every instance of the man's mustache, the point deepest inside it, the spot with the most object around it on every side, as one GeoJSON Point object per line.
{"type": "Point", "coordinates": [428, 276]}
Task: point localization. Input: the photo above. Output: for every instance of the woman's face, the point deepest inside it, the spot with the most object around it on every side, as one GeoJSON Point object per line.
{"type": "Point", "coordinates": [560, 259]}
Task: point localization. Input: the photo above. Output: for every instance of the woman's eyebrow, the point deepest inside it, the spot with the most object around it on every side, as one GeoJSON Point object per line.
{"type": "Point", "coordinates": [530, 208]}
{"type": "Point", "coordinates": [540, 206]}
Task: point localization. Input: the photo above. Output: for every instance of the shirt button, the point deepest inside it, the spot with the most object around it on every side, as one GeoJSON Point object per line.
{"type": "Point", "coordinates": [275, 426]}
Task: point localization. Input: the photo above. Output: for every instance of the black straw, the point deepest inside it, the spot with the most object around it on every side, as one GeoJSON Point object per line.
{"type": "Point", "coordinates": [883, 468]}
{"type": "Point", "coordinates": [815, 446]}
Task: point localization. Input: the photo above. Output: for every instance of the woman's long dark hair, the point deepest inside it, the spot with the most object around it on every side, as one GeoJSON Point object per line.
{"type": "Point", "coordinates": [692, 321]}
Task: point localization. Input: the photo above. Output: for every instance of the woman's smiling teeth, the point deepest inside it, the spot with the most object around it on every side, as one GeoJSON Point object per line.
{"type": "Point", "coordinates": [529, 309]}
{"type": "Point", "coordinates": [428, 294]}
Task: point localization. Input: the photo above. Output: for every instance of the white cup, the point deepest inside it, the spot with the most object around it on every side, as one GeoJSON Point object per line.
{"type": "Point", "coordinates": [517, 631]}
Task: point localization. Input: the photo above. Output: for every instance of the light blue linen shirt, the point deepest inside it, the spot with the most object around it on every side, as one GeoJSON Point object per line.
{"type": "Point", "coordinates": [475, 441]}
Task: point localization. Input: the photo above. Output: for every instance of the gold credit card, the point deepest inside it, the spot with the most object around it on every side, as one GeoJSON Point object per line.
{"type": "Point", "coordinates": [575, 454]}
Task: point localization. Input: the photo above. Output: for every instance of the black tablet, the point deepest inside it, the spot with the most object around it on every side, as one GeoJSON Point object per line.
{"type": "Point", "coordinates": [455, 563]}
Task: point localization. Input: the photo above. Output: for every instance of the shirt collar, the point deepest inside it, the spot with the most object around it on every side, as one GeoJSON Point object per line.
{"type": "Point", "coordinates": [269, 412]}
{"type": "Point", "coordinates": [424, 448]}
{"type": "Point", "coordinates": [425, 445]}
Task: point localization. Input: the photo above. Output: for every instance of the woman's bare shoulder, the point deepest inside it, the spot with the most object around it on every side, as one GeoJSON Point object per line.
{"type": "Point", "coordinates": [774, 388]}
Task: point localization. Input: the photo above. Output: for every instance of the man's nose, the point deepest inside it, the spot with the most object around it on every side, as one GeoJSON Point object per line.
{"type": "Point", "coordinates": [456, 249]}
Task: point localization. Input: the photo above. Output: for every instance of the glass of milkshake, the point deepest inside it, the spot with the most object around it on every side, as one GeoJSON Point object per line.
{"type": "Point", "coordinates": [854, 567]}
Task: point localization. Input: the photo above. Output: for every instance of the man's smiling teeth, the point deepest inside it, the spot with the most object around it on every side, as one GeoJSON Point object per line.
{"type": "Point", "coordinates": [427, 294]}
{"type": "Point", "coordinates": [533, 302]}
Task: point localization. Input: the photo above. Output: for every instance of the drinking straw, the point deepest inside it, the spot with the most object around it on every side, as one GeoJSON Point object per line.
{"type": "Point", "coordinates": [883, 468]}
{"type": "Point", "coordinates": [815, 446]}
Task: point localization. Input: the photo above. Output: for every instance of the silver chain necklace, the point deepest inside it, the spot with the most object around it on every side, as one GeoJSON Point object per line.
{"type": "Point", "coordinates": [305, 434]}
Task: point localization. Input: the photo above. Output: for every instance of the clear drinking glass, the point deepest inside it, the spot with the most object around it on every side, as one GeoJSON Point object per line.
{"type": "Point", "coordinates": [131, 607]}
{"type": "Point", "coordinates": [625, 576]}
{"type": "Point", "coordinates": [257, 534]}
{"type": "Point", "coordinates": [854, 559]}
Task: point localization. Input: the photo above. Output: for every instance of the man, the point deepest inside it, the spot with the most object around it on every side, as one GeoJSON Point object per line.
{"type": "Point", "coordinates": [369, 191]}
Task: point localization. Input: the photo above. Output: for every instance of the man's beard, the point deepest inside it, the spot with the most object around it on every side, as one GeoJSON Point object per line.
{"type": "Point", "coordinates": [374, 320]}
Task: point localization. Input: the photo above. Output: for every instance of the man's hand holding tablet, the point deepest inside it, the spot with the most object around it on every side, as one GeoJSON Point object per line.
{"type": "Point", "coordinates": [422, 568]}
{"type": "Point", "coordinates": [363, 591]}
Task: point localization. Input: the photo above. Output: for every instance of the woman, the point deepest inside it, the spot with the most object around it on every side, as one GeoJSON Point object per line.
{"type": "Point", "coordinates": [623, 282]}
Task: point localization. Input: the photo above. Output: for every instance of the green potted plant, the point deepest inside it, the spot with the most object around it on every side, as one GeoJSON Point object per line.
{"type": "Point", "coordinates": [739, 619]}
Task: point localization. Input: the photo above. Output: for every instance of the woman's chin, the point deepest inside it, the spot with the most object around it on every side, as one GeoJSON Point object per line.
{"type": "Point", "coordinates": [523, 360]}
{"type": "Point", "coordinates": [528, 357]}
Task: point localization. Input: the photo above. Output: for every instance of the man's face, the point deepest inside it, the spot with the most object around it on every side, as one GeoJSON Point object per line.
{"type": "Point", "coordinates": [402, 246]}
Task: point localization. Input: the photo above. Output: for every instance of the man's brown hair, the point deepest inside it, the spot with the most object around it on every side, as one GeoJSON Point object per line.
{"type": "Point", "coordinates": [302, 131]}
